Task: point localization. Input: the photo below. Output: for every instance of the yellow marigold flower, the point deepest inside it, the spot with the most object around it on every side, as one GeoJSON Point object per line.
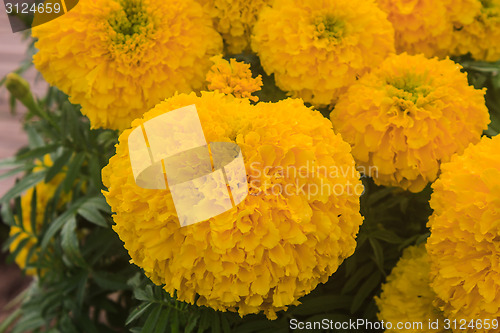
{"type": "Point", "coordinates": [426, 26]}
{"type": "Point", "coordinates": [289, 234]}
{"type": "Point", "coordinates": [481, 37]}
{"type": "Point", "coordinates": [44, 193]}
{"type": "Point", "coordinates": [464, 246]}
{"type": "Point", "coordinates": [407, 296]}
{"type": "Point", "coordinates": [233, 78]}
{"type": "Point", "coordinates": [408, 116]}
{"type": "Point", "coordinates": [316, 49]}
{"type": "Point", "coordinates": [118, 58]}
{"type": "Point", "coordinates": [234, 20]}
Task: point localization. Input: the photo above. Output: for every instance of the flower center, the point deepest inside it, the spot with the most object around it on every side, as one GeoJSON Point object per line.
{"type": "Point", "coordinates": [131, 19]}
{"type": "Point", "coordinates": [409, 87]}
{"type": "Point", "coordinates": [330, 27]}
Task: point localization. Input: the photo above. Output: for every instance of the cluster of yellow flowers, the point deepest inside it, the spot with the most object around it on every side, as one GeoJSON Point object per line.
{"type": "Point", "coordinates": [368, 61]}
{"type": "Point", "coordinates": [278, 244]}
{"type": "Point", "coordinates": [449, 27]}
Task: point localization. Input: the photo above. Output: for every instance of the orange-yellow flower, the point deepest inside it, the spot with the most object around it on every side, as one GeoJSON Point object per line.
{"type": "Point", "coordinates": [233, 78]}
{"type": "Point", "coordinates": [290, 233]}
{"type": "Point", "coordinates": [408, 116]}
{"type": "Point", "coordinates": [464, 245]}
{"type": "Point", "coordinates": [317, 48]}
{"type": "Point", "coordinates": [118, 58]}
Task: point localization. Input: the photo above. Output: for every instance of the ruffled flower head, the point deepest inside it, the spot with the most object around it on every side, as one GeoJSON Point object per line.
{"type": "Point", "coordinates": [480, 37]}
{"type": "Point", "coordinates": [233, 78]}
{"type": "Point", "coordinates": [234, 20]}
{"type": "Point", "coordinates": [427, 26]}
{"type": "Point", "coordinates": [464, 245]}
{"type": "Point", "coordinates": [408, 116]}
{"type": "Point", "coordinates": [118, 58]}
{"type": "Point", "coordinates": [406, 295]}
{"type": "Point", "coordinates": [290, 233]}
{"type": "Point", "coordinates": [316, 49]}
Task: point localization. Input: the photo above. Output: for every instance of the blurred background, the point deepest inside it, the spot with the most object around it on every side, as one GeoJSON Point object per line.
{"type": "Point", "coordinates": [12, 52]}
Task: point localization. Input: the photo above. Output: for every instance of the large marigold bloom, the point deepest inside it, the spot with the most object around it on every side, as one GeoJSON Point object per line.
{"type": "Point", "coordinates": [118, 58]}
{"type": "Point", "coordinates": [408, 116]}
{"type": "Point", "coordinates": [407, 296]}
{"type": "Point", "coordinates": [481, 37]}
{"type": "Point", "coordinates": [233, 77]}
{"type": "Point", "coordinates": [426, 26]}
{"type": "Point", "coordinates": [292, 231]}
{"type": "Point", "coordinates": [464, 245]}
{"type": "Point", "coordinates": [234, 20]}
{"type": "Point", "coordinates": [317, 48]}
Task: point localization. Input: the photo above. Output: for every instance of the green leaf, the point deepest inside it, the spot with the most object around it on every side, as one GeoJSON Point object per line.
{"type": "Point", "coordinates": [29, 322]}
{"type": "Point", "coordinates": [34, 138]}
{"type": "Point", "coordinates": [322, 304]}
{"type": "Point", "coordinates": [58, 223]}
{"type": "Point", "coordinates": [110, 281]}
{"type": "Point", "coordinates": [33, 212]}
{"type": "Point", "coordinates": [191, 323]}
{"type": "Point", "coordinates": [69, 243]}
{"type": "Point", "coordinates": [16, 171]}
{"type": "Point", "coordinates": [365, 290]}
{"type": "Point", "coordinates": [23, 185]}
{"type": "Point", "coordinates": [387, 236]}
{"type": "Point", "coordinates": [38, 152]}
{"type": "Point", "coordinates": [161, 325]}
{"type": "Point", "coordinates": [378, 253]}
{"type": "Point", "coordinates": [152, 319]}
{"type": "Point", "coordinates": [354, 279]}
{"type": "Point", "coordinates": [138, 312]}
{"type": "Point", "coordinates": [73, 171]}
{"type": "Point", "coordinates": [216, 323]}
{"type": "Point", "coordinates": [90, 212]}
{"type": "Point", "coordinates": [59, 163]}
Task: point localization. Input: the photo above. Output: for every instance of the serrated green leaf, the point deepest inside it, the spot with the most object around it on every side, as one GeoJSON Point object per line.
{"type": "Point", "coordinates": [356, 278]}
{"type": "Point", "coordinates": [58, 223]}
{"type": "Point", "coordinates": [138, 312]}
{"type": "Point", "coordinates": [161, 325]}
{"type": "Point", "coordinates": [73, 170]}
{"type": "Point", "coordinates": [365, 290]}
{"type": "Point", "coordinates": [38, 152]}
{"type": "Point", "coordinates": [23, 185]}
{"type": "Point", "coordinates": [191, 323]}
{"type": "Point", "coordinates": [34, 138]}
{"type": "Point", "coordinates": [69, 243]}
{"type": "Point", "coordinates": [378, 253]}
{"type": "Point", "coordinates": [29, 322]}
{"type": "Point", "coordinates": [16, 171]}
{"type": "Point", "coordinates": [89, 212]}
{"type": "Point", "coordinates": [152, 319]}
{"type": "Point", "coordinates": [58, 164]}
{"type": "Point", "coordinates": [387, 236]}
